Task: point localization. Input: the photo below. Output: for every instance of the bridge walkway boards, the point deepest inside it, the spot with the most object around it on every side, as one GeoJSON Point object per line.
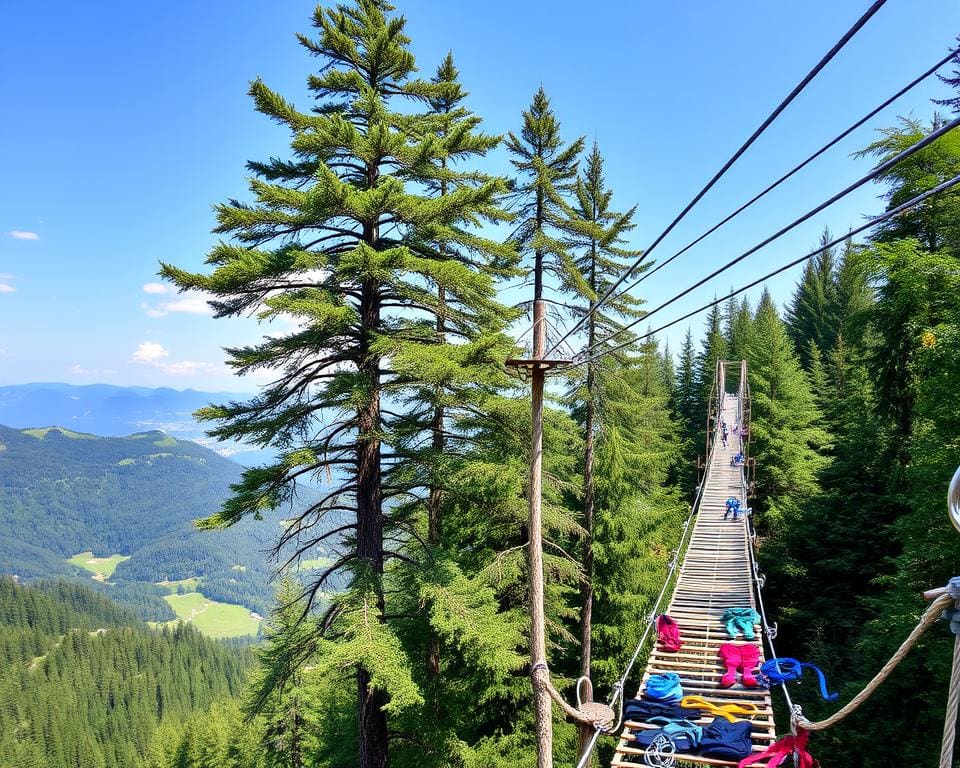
{"type": "Point", "coordinates": [715, 575]}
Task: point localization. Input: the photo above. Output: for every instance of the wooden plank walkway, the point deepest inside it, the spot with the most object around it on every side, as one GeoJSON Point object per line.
{"type": "Point", "coordinates": [715, 575]}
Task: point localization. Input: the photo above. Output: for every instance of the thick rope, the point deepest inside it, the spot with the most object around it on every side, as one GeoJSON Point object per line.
{"type": "Point", "coordinates": [617, 693]}
{"type": "Point", "coordinates": [570, 711]}
{"type": "Point", "coordinates": [953, 704]}
{"type": "Point", "coordinates": [931, 615]}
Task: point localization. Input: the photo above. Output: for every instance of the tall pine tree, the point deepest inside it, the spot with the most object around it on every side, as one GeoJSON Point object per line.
{"type": "Point", "coordinates": [601, 257]}
{"type": "Point", "coordinates": [345, 239]}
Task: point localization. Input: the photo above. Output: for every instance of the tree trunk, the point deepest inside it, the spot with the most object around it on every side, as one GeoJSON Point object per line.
{"type": "Point", "coordinates": [586, 587]}
{"type": "Point", "coordinates": [372, 718]}
{"type": "Point", "coordinates": [433, 516]}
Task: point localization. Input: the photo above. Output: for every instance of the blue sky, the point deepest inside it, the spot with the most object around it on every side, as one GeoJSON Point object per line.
{"type": "Point", "coordinates": [124, 122]}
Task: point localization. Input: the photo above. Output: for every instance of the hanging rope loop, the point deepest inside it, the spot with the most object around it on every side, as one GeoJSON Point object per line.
{"type": "Point", "coordinates": [929, 618]}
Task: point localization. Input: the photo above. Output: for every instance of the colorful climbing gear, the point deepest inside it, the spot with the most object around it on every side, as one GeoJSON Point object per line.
{"type": "Point", "coordinates": [724, 740]}
{"type": "Point", "coordinates": [740, 620]}
{"type": "Point", "coordinates": [643, 710]}
{"type": "Point", "coordinates": [684, 735]}
{"type": "Point", "coordinates": [784, 669]}
{"type": "Point", "coordinates": [664, 687]}
{"type": "Point", "coordinates": [669, 633]}
{"type": "Point", "coordinates": [779, 751]}
{"type": "Point", "coordinates": [726, 711]}
{"type": "Point", "coordinates": [742, 657]}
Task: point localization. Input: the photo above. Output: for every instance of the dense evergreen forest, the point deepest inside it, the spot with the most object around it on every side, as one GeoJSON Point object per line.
{"type": "Point", "coordinates": [382, 237]}
{"type": "Point", "coordinates": [84, 684]}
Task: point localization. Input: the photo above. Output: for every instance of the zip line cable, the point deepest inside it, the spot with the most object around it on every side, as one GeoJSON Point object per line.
{"type": "Point", "coordinates": [876, 172]}
{"type": "Point", "coordinates": [876, 110]}
{"type": "Point", "coordinates": [943, 187]}
{"type": "Point", "coordinates": [736, 156]}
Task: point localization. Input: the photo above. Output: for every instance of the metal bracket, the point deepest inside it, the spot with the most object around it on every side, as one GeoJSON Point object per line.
{"type": "Point", "coordinates": [771, 631]}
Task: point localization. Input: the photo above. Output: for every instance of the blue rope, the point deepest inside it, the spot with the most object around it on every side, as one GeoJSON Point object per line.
{"type": "Point", "coordinates": [783, 669]}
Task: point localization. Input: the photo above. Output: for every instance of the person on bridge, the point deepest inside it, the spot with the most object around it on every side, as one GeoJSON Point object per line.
{"type": "Point", "coordinates": [737, 461]}
{"type": "Point", "coordinates": [733, 506]}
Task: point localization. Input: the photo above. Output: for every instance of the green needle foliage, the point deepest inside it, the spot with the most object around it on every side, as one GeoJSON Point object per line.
{"type": "Point", "coordinates": [349, 240]}
{"type": "Point", "coordinates": [548, 175]}
{"type": "Point", "coordinates": [597, 240]}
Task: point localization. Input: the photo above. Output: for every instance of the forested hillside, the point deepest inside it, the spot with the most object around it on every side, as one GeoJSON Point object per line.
{"type": "Point", "coordinates": [85, 684]}
{"type": "Point", "coordinates": [63, 492]}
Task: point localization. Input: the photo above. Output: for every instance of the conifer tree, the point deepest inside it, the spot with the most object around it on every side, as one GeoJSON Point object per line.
{"type": "Point", "coordinates": [714, 348]}
{"type": "Point", "coordinates": [452, 391]}
{"type": "Point", "coordinates": [811, 317]}
{"type": "Point", "coordinates": [600, 256]}
{"type": "Point", "coordinates": [638, 516]}
{"type": "Point", "coordinates": [935, 223]}
{"type": "Point", "coordinates": [687, 394]}
{"type": "Point", "coordinates": [739, 326]}
{"type": "Point", "coordinates": [548, 172]}
{"type": "Point", "coordinates": [952, 80]}
{"type": "Point", "coordinates": [785, 434]}
{"type": "Point", "coordinates": [345, 239]}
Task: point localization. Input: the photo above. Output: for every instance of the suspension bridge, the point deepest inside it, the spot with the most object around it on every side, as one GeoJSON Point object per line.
{"type": "Point", "coordinates": [716, 574]}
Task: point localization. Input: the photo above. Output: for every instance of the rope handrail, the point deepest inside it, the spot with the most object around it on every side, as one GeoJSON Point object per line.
{"type": "Point", "coordinates": [616, 694]}
{"type": "Point", "coordinates": [768, 632]}
{"type": "Point", "coordinates": [930, 616]}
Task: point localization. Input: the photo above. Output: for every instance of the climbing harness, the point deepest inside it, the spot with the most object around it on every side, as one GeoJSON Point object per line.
{"type": "Point", "coordinates": [788, 746]}
{"type": "Point", "coordinates": [784, 669]}
{"type": "Point", "coordinates": [660, 753]}
{"type": "Point", "coordinates": [669, 633]}
{"type": "Point", "coordinates": [664, 687]}
{"type": "Point", "coordinates": [684, 735]}
{"type": "Point", "coordinates": [727, 711]}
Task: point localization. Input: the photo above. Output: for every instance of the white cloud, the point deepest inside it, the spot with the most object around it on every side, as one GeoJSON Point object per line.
{"type": "Point", "coordinates": [4, 288]}
{"type": "Point", "coordinates": [149, 353]}
{"type": "Point", "coordinates": [157, 288]}
{"type": "Point", "coordinates": [7, 276]}
{"type": "Point", "coordinates": [19, 234]}
{"type": "Point", "coordinates": [190, 303]}
{"type": "Point", "coordinates": [188, 368]}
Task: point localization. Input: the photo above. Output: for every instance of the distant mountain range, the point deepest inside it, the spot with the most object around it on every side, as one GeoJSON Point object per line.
{"type": "Point", "coordinates": [104, 409]}
{"type": "Point", "coordinates": [63, 492]}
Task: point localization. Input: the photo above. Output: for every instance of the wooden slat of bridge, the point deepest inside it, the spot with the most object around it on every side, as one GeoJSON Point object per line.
{"type": "Point", "coordinates": [715, 575]}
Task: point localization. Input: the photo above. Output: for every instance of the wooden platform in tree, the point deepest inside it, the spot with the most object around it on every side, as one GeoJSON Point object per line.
{"type": "Point", "coordinates": [715, 575]}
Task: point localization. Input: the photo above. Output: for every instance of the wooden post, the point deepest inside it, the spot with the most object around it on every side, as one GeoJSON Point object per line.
{"type": "Point", "coordinates": [538, 643]}
{"type": "Point", "coordinates": [539, 673]}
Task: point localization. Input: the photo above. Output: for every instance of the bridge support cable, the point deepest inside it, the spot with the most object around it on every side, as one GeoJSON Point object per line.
{"type": "Point", "coordinates": [892, 213]}
{"type": "Point", "coordinates": [808, 78]}
{"type": "Point", "coordinates": [716, 574]}
{"type": "Point", "coordinates": [769, 631]}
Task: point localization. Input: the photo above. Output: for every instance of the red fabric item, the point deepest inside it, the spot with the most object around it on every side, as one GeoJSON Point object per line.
{"type": "Point", "coordinates": [669, 633]}
{"type": "Point", "coordinates": [730, 658]}
{"type": "Point", "coordinates": [749, 660]}
{"type": "Point", "coordinates": [779, 751]}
